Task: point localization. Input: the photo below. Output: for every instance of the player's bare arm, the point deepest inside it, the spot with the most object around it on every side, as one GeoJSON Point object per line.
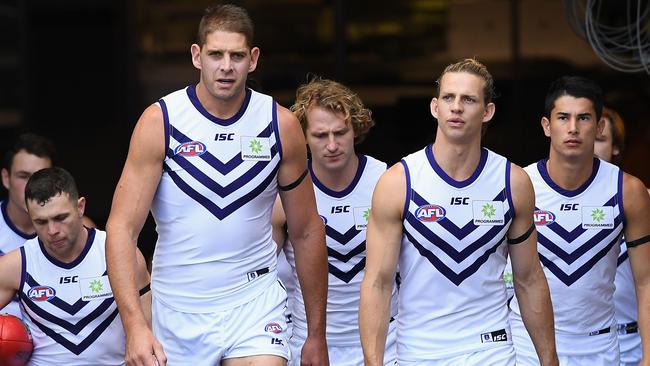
{"type": "Point", "coordinates": [383, 240]}
{"type": "Point", "coordinates": [10, 270]}
{"type": "Point", "coordinates": [636, 205]}
{"type": "Point", "coordinates": [278, 221]}
{"type": "Point", "coordinates": [307, 235]}
{"type": "Point", "coordinates": [131, 203]}
{"type": "Point", "coordinates": [530, 282]}
{"type": "Point", "coordinates": [143, 281]}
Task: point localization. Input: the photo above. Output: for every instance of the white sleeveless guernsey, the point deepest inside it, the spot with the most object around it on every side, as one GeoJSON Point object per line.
{"type": "Point", "coordinates": [578, 234]}
{"type": "Point", "coordinates": [453, 299]}
{"type": "Point", "coordinates": [213, 204]}
{"type": "Point", "coordinates": [10, 238]}
{"type": "Point", "coordinates": [345, 214]}
{"type": "Point", "coordinates": [625, 303]}
{"type": "Point", "coordinates": [69, 307]}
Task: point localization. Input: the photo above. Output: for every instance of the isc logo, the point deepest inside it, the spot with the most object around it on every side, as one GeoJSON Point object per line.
{"type": "Point", "coordinates": [192, 148]}
{"type": "Point", "coordinates": [340, 209]}
{"type": "Point", "coordinates": [224, 137]}
{"type": "Point", "coordinates": [542, 217]}
{"type": "Point", "coordinates": [430, 213]}
{"type": "Point", "coordinates": [459, 201]}
{"type": "Point", "coordinates": [41, 293]}
{"type": "Point", "coordinates": [496, 336]}
{"type": "Point", "coordinates": [69, 279]}
{"type": "Point", "coordinates": [569, 207]}
{"type": "Point", "coordinates": [273, 328]}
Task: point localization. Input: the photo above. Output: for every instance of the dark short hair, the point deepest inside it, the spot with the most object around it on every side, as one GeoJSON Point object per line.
{"type": "Point", "coordinates": [49, 182]}
{"type": "Point", "coordinates": [577, 87]}
{"type": "Point", "coordinates": [33, 144]}
{"type": "Point", "coordinates": [226, 17]}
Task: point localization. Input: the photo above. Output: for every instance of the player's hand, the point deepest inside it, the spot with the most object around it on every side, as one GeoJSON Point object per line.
{"type": "Point", "coordinates": [314, 352]}
{"type": "Point", "coordinates": [143, 349]}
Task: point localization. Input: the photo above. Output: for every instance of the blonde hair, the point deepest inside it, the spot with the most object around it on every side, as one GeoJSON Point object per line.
{"type": "Point", "coordinates": [474, 67]}
{"type": "Point", "coordinates": [335, 97]}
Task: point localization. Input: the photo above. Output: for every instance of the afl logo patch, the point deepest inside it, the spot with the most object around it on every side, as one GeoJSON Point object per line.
{"type": "Point", "coordinates": [430, 213]}
{"type": "Point", "coordinates": [41, 293]}
{"type": "Point", "coordinates": [542, 217]}
{"type": "Point", "coordinates": [273, 328]}
{"type": "Point", "coordinates": [192, 148]}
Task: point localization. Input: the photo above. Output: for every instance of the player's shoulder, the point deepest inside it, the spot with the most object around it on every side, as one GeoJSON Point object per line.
{"type": "Point", "coordinates": [519, 175]}
{"type": "Point", "coordinates": [286, 118]}
{"type": "Point", "coordinates": [373, 163]}
{"type": "Point", "coordinates": [393, 178]}
{"type": "Point", "coordinates": [633, 188]}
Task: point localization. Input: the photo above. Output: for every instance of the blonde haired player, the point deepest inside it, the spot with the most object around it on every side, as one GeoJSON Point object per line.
{"type": "Point", "coordinates": [449, 215]}
{"type": "Point", "coordinates": [334, 119]}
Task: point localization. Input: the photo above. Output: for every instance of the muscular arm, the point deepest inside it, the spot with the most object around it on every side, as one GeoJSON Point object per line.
{"type": "Point", "coordinates": [636, 205]}
{"type": "Point", "coordinates": [307, 236]}
{"type": "Point", "coordinates": [530, 282]}
{"type": "Point", "coordinates": [143, 280]}
{"type": "Point", "coordinates": [10, 270]}
{"type": "Point", "coordinates": [383, 239]}
{"type": "Point", "coordinates": [131, 202]}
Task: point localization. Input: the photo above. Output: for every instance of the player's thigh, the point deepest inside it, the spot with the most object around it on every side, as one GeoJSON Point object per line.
{"type": "Point", "coordinates": [262, 360]}
{"type": "Point", "coordinates": [259, 327]}
{"type": "Point", "coordinates": [187, 339]}
{"type": "Point", "coordinates": [295, 345]}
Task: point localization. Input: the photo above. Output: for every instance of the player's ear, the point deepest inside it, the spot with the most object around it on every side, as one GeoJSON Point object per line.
{"type": "Point", "coordinates": [5, 178]}
{"type": "Point", "coordinates": [490, 108]}
{"type": "Point", "coordinates": [546, 125]}
{"type": "Point", "coordinates": [255, 55]}
{"type": "Point", "coordinates": [434, 107]}
{"type": "Point", "coordinates": [195, 50]}
{"type": "Point", "coordinates": [81, 206]}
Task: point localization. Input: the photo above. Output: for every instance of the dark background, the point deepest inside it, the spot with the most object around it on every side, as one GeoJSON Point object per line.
{"type": "Point", "coordinates": [82, 71]}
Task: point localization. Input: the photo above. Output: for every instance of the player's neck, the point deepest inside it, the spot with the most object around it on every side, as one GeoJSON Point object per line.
{"type": "Point", "coordinates": [220, 108]}
{"type": "Point", "coordinates": [569, 174]}
{"type": "Point", "coordinates": [459, 161]}
{"type": "Point", "coordinates": [76, 249]}
{"type": "Point", "coordinates": [20, 218]}
{"type": "Point", "coordinates": [337, 180]}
